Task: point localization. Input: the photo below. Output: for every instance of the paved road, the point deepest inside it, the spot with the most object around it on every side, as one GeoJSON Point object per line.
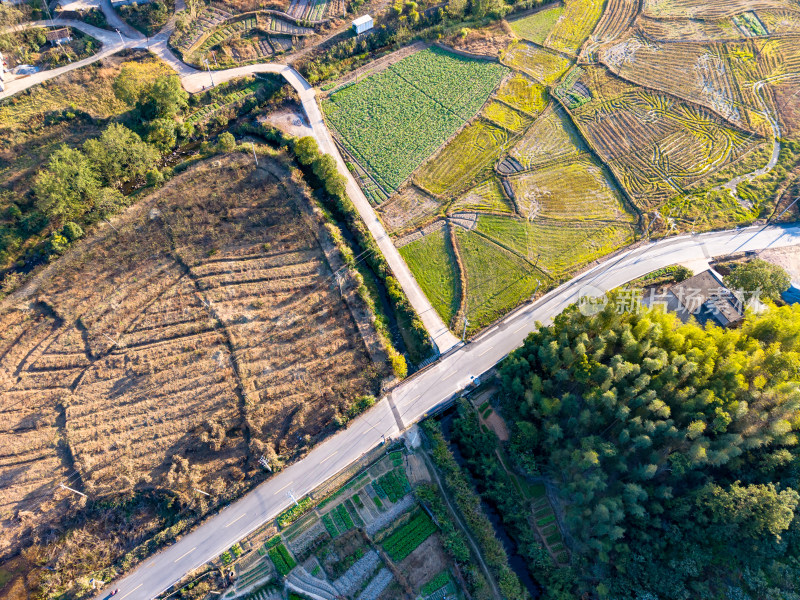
{"type": "Point", "coordinates": [420, 395]}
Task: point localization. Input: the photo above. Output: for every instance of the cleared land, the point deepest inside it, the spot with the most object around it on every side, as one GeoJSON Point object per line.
{"type": "Point", "coordinates": [170, 352]}
{"type": "Point", "coordinates": [391, 122]}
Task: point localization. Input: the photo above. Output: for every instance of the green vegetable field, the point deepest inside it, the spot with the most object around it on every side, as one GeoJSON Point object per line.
{"type": "Point", "coordinates": [392, 121]}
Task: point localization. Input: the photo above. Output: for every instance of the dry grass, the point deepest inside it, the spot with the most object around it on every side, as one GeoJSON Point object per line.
{"type": "Point", "coordinates": [204, 326]}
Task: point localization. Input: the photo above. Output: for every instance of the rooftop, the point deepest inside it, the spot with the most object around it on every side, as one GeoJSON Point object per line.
{"type": "Point", "coordinates": [362, 20]}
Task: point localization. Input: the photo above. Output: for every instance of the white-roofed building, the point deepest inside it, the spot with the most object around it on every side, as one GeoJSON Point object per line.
{"type": "Point", "coordinates": [362, 24]}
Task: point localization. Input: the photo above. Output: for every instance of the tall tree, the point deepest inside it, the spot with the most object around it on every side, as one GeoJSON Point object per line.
{"type": "Point", "coordinates": [66, 188]}
{"type": "Point", "coordinates": [119, 155]}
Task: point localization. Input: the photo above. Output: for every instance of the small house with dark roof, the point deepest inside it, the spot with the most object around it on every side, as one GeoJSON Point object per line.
{"type": "Point", "coordinates": [704, 297]}
{"type": "Point", "coordinates": [56, 37]}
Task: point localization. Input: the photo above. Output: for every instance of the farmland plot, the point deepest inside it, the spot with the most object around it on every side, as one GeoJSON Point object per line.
{"type": "Point", "coordinates": [206, 313]}
{"type": "Point", "coordinates": [574, 26]}
{"type": "Point", "coordinates": [459, 164]}
{"type": "Point", "coordinates": [572, 192]}
{"type": "Point", "coordinates": [381, 119]}
{"type": "Point", "coordinates": [616, 19]}
{"type": "Point", "coordinates": [537, 26]}
{"type": "Point", "coordinates": [497, 280]}
{"type": "Point", "coordinates": [432, 262]}
{"type": "Point", "coordinates": [695, 72]}
{"type": "Point", "coordinates": [656, 146]}
{"type": "Point", "coordinates": [703, 9]}
{"type": "Point", "coordinates": [523, 94]}
{"type": "Point", "coordinates": [507, 117]}
{"type": "Point", "coordinates": [543, 65]}
{"type": "Point", "coordinates": [485, 197]}
{"type": "Point", "coordinates": [559, 248]}
{"type": "Point", "coordinates": [780, 22]}
{"type": "Point", "coordinates": [689, 30]}
{"type": "Point", "coordinates": [551, 138]}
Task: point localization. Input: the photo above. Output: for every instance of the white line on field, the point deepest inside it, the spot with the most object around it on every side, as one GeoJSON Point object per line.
{"type": "Point", "coordinates": [129, 593]}
{"type": "Point", "coordinates": [241, 516]}
{"type": "Point", "coordinates": [185, 555]}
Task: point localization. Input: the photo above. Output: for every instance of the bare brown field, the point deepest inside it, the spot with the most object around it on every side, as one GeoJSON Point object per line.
{"type": "Point", "coordinates": [170, 352]}
{"type": "Point", "coordinates": [657, 145]}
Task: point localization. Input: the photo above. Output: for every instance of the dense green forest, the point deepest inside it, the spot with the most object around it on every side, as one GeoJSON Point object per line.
{"type": "Point", "coordinates": [668, 450]}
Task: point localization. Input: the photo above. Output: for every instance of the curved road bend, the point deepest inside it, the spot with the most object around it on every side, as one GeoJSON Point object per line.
{"type": "Point", "coordinates": [418, 396]}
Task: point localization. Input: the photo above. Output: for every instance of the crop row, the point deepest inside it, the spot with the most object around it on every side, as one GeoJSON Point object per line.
{"type": "Point", "coordinates": [283, 561]}
{"type": "Point", "coordinates": [407, 538]}
{"type": "Point", "coordinates": [290, 515]}
{"type": "Point", "coordinates": [392, 121]}
{"type": "Point", "coordinates": [393, 485]}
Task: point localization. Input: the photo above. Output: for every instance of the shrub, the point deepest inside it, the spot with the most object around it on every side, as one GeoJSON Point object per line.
{"type": "Point", "coordinates": [283, 561]}
{"type": "Point", "coordinates": [154, 177]}
{"type": "Point", "coordinates": [226, 142]}
{"type": "Point", "coordinates": [71, 231]}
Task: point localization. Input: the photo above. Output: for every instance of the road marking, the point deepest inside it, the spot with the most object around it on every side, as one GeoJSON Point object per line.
{"type": "Point", "coordinates": [129, 593]}
{"type": "Point", "coordinates": [449, 376]}
{"type": "Point", "coordinates": [329, 456]}
{"type": "Point", "coordinates": [283, 488]}
{"type": "Point", "coordinates": [185, 555]}
{"type": "Point", "coordinates": [241, 516]}
{"type": "Point", "coordinates": [487, 350]}
{"type": "Point", "coordinates": [523, 326]}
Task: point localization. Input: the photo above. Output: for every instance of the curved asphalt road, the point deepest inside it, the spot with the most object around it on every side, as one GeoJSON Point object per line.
{"type": "Point", "coordinates": [420, 395]}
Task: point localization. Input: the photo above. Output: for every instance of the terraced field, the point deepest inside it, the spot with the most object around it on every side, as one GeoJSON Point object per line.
{"type": "Point", "coordinates": [575, 25]}
{"type": "Point", "coordinates": [542, 65]}
{"type": "Point", "coordinates": [381, 119]}
{"type": "Point", "coordinates": [432, 262]}
{"type": "Point", "coordinates": [536, 27]}
{"type": "Point", "coordinates": [618, 118]}
{"type": "Point", "coordinates": [468, 156]}
{"type": "Point", "coordinates": [206, 319]}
